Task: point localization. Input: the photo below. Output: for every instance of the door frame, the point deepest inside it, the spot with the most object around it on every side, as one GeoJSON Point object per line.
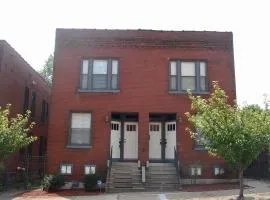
{"type": "Point", "coordinates": [155, 160]}
{"type": "Point", "coordinates": [163, 121]}
{"type": "Point", "coordinates": [122, 120]}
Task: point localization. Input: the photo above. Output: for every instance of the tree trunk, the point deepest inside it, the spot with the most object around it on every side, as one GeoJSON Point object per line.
{"type": "Point", "coordinates": [241, 180]}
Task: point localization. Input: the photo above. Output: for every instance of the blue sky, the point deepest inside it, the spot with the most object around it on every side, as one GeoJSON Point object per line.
{"type": "Point", "coordinates": [29, 26]}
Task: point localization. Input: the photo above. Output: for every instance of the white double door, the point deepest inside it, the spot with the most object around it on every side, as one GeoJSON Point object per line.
{"type": "Point", "coordinates": [159, 142]}
{"type": "Point", "coordinates": [124, 145]}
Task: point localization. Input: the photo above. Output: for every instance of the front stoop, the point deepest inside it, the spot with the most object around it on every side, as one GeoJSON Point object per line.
{"type": "Point", "coordinates": [124, 177]}
{"type": "Point", "coordinates": [162, 177]}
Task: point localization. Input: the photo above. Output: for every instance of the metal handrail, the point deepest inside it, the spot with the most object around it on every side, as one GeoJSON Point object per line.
{"type": "Point", "coordinates": [176, 162]}
{"type": "Point", "coordinates": [109, 169]}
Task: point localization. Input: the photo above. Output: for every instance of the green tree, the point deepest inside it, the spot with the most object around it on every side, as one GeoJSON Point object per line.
{"type": "Point", "coordinates": [236, 134]}
{"type": "Point", "coordinates": [47, 71]}
{"type": "Point", "coordinates": [13, 132]}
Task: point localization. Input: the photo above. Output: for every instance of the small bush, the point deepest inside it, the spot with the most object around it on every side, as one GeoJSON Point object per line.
{"type": "Point", "coordinates": [51, 183]}
{"type": "Point", "coordinates": [90, 181]}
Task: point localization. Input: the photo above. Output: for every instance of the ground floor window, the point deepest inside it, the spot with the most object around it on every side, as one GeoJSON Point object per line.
{"type": "Point", "coordinates": [80, 130]}
{"type": "Point", "coordinates": [66, 169]}
{"type": "Point", "coordinates": [196, 171]}
{"type": "Point", "coordinates": [89, 169]}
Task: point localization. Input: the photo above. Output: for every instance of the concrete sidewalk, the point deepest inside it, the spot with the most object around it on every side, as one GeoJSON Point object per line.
{"type": "Point", "coordinates": [258, 190]}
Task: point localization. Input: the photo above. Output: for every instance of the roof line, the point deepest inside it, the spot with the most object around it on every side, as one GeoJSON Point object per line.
{"type": "Point", "coordinates": [27, 64]}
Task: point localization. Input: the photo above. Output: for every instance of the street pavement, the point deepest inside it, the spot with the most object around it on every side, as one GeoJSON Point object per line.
{"type": "Point", "coordinates": [258, 190]}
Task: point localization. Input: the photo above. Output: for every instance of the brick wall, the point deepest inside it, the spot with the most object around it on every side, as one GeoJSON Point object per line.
{"type": "Point", "coordinates": [143, 89]}
{"type": "Point", "coordinates": [15, 75]}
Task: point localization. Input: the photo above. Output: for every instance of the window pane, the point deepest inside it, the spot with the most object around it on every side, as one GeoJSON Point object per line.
{"type": "Point", "coordinates": [68, 169]}
{"type": "Point", "coordinates": [99, 81]}
{"type": "Point", "coordinates": [85, 67]}
{"type": "Point", "coordinates": [114, 67]}
{"type": "Point", "coordinates": [188, 68]}
{"type": "Point", "coordinates": [80, 136]}
{"type": "Point", "coordinates": [92, 170]}
{"type": "Point", "coordinates": [84, 80]}
{"type": "Point", "coordinates": [202, 69]}
{"type": "Point", "coordinates": [173, 68]}
{"type": "Point", "coordinates": [81, 120]}
{"type": "Point", "coordinates": [114, 82]}
{"type": "Point", "coordinates": [216, 171]}
{"type": "Point", "coordinates": [100, 67]}
{"type": "Point", "coordinates": [203, 83]}
{"type": "Point", "coordinates": [173, 82]}
{"type": "Point", "coordinates": [199, 171]}
{"type": "Point", "coordinates": [87, 170]}
{"type": "Point", "coordinates": [188, 83]}
{"type": "Point", "coordinates": [63, 169]}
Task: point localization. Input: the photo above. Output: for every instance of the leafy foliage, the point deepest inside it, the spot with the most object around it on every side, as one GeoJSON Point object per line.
{"type": "Point", "coordinates": [47, 70]}
{"type": "Point", "coordinates": [14, 132]}
{"type": "Point", "coordinates": [238, 135]}
{"type": "Point", "coordinates": [52, 183]}
{"type": "Point", "coordinates": [90, 181]}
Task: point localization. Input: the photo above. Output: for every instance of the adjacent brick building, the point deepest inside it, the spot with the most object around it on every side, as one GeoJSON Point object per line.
{"type": "Point", "coordinates": [23, 88]}
{"type": "Point", "coordinates": [124, 90]}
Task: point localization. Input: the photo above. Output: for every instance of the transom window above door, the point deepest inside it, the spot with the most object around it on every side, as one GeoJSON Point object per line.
{"type": "Point", "coordinates": [188, 75]}
{"type": "Point", "coordinates": [99, 75]}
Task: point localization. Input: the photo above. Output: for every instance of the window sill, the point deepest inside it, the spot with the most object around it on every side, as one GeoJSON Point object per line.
{"type": "Point", "coordinates": [185, 92]}
{"type": "Point", "coordinates": [99, 91]}
{"type": "Point", "coordinates": [78, 147]}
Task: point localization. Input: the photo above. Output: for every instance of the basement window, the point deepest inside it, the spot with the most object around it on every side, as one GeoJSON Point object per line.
{"type": "Point", "coordinates": [218, 171]}
{"type": "Point", "coordinates": [89, 169]}
{"type": "Point", "coordinates": [196, 171]}
{"type": "Point", "coordinates": [66, 169]}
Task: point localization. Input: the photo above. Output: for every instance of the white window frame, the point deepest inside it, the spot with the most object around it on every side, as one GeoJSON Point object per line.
{"type": "Point", "coordinates": [196, 171]}
{"type": "Point", "coordinates": [66, 166]}
{"type": "Point", "coordinates": [90, 166]}
{"type": "Point", "coordinates": [218, 171]}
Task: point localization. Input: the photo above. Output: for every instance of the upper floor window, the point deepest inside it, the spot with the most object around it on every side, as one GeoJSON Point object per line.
{"type": "Point", "coordinates": [26, 99]}
{"type": "Point", "coordinates": [33, 104]}
{"type": "Point", "coordinates": [186, 75]}
{"type": "Point", "coordinates": [99, 74]}
{"type": "Point", "coordinates": [43, 107]}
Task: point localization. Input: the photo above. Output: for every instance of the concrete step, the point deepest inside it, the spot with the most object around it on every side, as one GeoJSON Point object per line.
{"type": "Point", "coordinates": [160, 164]}
{"type": "Point", "coordinates": [124, 177]}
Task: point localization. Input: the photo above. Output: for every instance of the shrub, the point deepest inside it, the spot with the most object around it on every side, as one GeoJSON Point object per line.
{"type": "Point", "coordinates": [90, 181]}
{"type": "Point", "coordinates": [51, 183]}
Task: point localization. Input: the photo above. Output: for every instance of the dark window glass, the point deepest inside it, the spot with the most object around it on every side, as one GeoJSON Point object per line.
{"type": "Point", "coordinates": [33, 105]}
{"type": "Point", "coordinates": [26, 100]}
{"type": "Point", "coordinates": [198, 141]}
{"type": "Point", "coordinates": [43, 111]}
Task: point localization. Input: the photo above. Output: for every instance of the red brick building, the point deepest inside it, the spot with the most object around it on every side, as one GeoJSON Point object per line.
{"type": "Point", "coordinates": [125, 90]}
{"type": "Point", "coordinates": [23, 88]}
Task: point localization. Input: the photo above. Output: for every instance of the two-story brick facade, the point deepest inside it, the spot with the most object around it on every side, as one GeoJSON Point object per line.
{"type": "Point", "coordinates": [125, 91]}
{"type": "Point", "coordinates": [23, 88]}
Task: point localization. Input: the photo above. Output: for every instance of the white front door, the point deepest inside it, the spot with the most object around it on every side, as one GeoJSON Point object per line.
{"type": "Point", "coordinates": [170, 135]}
{"type": "Point", "coordinates": [130, 140]}
{"type": "Point", "coordinates": [115, 138]}
{"type": "Point", "coordinates": [154, 142]}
